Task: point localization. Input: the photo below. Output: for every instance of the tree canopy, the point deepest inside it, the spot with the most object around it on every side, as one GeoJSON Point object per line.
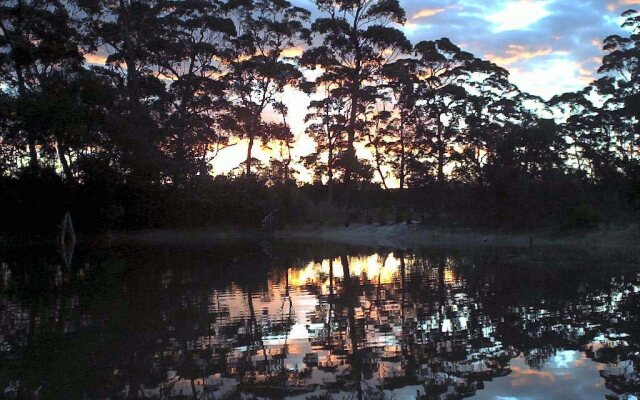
{"type": "Point", "coordinates": [147, 93]}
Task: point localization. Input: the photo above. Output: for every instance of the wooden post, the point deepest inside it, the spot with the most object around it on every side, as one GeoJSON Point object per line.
{"type": "Point", "coordinates": [67, 239]}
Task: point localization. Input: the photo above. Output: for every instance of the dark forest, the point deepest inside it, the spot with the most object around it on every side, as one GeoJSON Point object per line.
{"type": "Point", "coordinates": [128, 142]}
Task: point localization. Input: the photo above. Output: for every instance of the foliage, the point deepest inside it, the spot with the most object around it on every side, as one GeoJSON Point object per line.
{"type": "Point", "coordinates": [115, 111]}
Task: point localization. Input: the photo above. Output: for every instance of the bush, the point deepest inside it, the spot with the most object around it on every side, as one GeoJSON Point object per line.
{"type": "Point", "coordinates": [382, 216]}
{"type": "Point", "coordinates": [584, 217]}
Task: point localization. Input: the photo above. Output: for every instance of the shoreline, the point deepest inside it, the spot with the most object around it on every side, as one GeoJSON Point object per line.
{"type": "Point", "coordinates": [612, 241]}
{"type": "Point", "coordinates": [604, 241]}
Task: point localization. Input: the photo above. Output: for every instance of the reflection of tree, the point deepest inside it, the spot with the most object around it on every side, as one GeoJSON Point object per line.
{"type": "Point", "coordinates": [407, 343]}
{"type": "Point", "coordinates": [161, 325]}
{"type": "Point", "coordinates": [349, 300]}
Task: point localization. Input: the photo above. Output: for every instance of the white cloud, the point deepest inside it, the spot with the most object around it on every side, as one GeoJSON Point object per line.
{"type": "Point", "coordinates": [518, 15]}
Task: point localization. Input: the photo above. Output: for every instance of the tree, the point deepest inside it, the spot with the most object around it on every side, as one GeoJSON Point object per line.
{"type": "Point", "coordinates": [356, 43]}
{"type": "Point", "coordinates": [126, 31]}
{"type": "Point", "coordinates": [259, 69]}
{"type": "Point", "coordinates": [38, 38]}
{"type": "Point", "coordinates": [401, 124]}
{"type": "Point", "coordinates": [622, 63]}
{"type": "Point", "coordinates": [598, 134]}
{"type": "Point", "coordinates": [530, 144]}
{"type": "Point", "coordinates": [189, 49]}
{"type": "Point", "coordinates": [621, 88]}
{"type": "Point", "coordinates": [326, 125]}
{"type": "Point", "coordinates": [67, 111]}
{"type": "Point", "coordinates": [487, 116]}
{"type": "Point", "coordinates": [446, 78]}
{"type": "Point", "coordinates": [282, 171]}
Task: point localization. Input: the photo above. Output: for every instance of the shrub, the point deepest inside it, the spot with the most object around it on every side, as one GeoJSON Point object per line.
{"type": "Point", "coordinates": [584, 217]}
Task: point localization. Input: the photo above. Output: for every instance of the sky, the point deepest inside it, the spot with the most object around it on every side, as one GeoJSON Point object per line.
{"type": "Point", "coordinates": [549, 46]}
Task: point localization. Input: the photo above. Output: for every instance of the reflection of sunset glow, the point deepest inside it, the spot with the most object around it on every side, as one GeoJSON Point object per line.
{"type": "Point", "coordinates": [374, 268]}
{"type": "Point", "coordinates": [300, 277]}
{"type": "Point", "coordinates": [284, 325]}
{"type": "Point", "coordinates": [523, 376]}
{"type": "Point", "coordinates": [377, 268]}
{"type": "Point", "coordinates": [450, 276]}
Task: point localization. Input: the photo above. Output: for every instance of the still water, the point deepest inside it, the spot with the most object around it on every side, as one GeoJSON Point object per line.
{"type": "Point", "coordinates": [300, 321]}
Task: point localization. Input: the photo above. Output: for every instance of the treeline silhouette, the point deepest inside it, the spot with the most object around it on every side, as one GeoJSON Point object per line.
{"type": "Point", "coordinates": [115, 111]}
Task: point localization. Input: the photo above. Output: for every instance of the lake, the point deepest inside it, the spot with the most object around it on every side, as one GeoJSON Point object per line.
{"type": "Point", "coordinates": [315, 321]}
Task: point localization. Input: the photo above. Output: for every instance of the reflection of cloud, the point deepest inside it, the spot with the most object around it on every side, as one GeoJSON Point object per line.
{"type": "Point", "coordinates": [96, 59]}
{"type": "Point", "coordinates": [581, 362]}
{"type": "Point", "coordinates": [527, 376]}
{"type": "Point", "coordinates": [564, 359]}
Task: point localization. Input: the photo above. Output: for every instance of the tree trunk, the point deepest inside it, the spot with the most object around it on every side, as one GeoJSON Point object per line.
{"type": "Point", "coordinates": [22, 87]}
{"type": "Point", "coordinates": [441, 150]}
{"type": "Point", "coordinates": [355, 98]}
{"type": "Point", "coordinates": [143, 151]}
{"type": "Point", "coordinates": [33, 152]}
{"type": "Point", "coordinates": [66, 169]}
{"type": "Point", "coordinates": [356, 362]}
{"type": "Point", "coordinates": [351, 138]}
{"type": "Point", "coordinates": [31, 142]}
{"type": "Point", "coordinates": [401, 173]}
{"type": "Point", "coordinates": [330, 176]}
{"type": "Point", "coordinates": [249, 158]}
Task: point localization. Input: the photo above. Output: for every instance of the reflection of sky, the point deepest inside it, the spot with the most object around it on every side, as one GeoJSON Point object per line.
{"type": "Point", "coordinates": [302, 293]}
{"type": "Point", "coordinates": [567, 375]}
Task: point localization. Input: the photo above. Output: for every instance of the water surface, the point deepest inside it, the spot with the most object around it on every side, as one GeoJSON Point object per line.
{"type": "Point", "coordinates": [304, 321]}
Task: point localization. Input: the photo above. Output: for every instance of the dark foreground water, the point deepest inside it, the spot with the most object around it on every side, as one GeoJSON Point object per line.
{"type": "Point", "coordinates": [315, 322]}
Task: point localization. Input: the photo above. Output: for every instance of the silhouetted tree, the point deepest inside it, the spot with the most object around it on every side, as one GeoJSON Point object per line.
{"type": "Point", "coordinates": [260, 67]}
{"type": "Point", "coordinates": [126, 33]}
{"type": "Point", "coordinates": [356, 42]}
{"type": "Point", "coordinates": [38, 39]}
{"type": "Point", "coordinates": [326, 124]}
{"type": "Point", "coordinates": [189, 49]}
{"type": "Point", "coordinates": [446, 75]}
{"type": "Point", "coordinates": [401, 122]}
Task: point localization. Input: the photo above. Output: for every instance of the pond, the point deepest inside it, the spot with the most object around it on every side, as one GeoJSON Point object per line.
{"type": "Point", "coordinates": [315, 321]}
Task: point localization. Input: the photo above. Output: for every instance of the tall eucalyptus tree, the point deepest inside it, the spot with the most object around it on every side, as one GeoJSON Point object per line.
{"type": "Point", "coordinates": [37, 39]}
{"type": "Point", "coordinates": [125, 33]}
{"type": "Point", "coordinates": [262, 63]}
{"type": "Point", "coordinates": [189, 52]}
{"type": "Point", "coordinates": [356, 40]}
{"type": "Point", "coordinates": [447, 76]}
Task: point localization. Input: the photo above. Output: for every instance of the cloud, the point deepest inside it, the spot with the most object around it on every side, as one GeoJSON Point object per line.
{"type": "Point", "coordinates": [622, 3]}
{"type": "Point", "coordinates": [516, 53]}
{"type": "Point", "coordinates": [427, 12]}
{"type": "Point", "coordinates": [518, 15]}
{"type": "Point", "coordinates": [557, 42]}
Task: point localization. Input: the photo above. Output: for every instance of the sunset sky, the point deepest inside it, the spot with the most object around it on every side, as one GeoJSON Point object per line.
{"type": "Point", "coordinates": [549, 46]}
